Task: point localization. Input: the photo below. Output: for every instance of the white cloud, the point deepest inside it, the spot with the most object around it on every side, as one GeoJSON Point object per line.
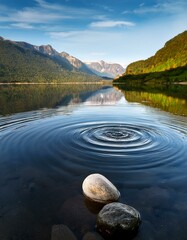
{"type": "Point", "coordinates": [163, 7]}
{"type": "Point", "coordinates": [36, 16]}
{"type": "Point", "coordinates": [99, 17]}
{"type": "Point", "coordinates": [65, 10]}
{"type": "Point", "coordinates": [65, 34]}
{"type": "Point", "coordinates": [106, 8]}
{"type": "Point", "coordinates": [125, 12]}
{"type": "Point", "coordinates": [110, 24]}
{"type": "Point", "coordinates": [44, 4]}
{"type": "Point", "coordinates": [31, 15]}
{"type": "Point", "coordinates": [44, 12]}
{"type": "Point", "coordinates": [22, 25]}
{"type": "Point", "coordinates": [109, 9]}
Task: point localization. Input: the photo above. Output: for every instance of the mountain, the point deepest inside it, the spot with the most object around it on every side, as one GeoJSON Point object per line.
{"type": "Point", "coordinates": [63, 58]}
{"type": "Point", "coordinates": [51, 52]}
{"type": "Point", "coordinates": [103, 69]}
{"type": "Point", "coordinates": [24, 62]}
{"type": "Point", "coordinates": [172, 55]}
{"type": "Point", "coordinates": [75, 62]}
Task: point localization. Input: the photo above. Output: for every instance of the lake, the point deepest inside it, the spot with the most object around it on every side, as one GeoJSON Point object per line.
{"type": "Point", "coordinates": [53, 136]}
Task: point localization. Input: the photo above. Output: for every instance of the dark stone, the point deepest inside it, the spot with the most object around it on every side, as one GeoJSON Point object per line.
{"type": "Point", "coordinates": [118, 219]}
{"type": "Point", "coordinates": [92, 236]}
{"type": "Point", "coordinates": [62, 232]}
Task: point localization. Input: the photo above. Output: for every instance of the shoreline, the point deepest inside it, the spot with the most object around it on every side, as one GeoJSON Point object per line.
{"type": "Point", "coordinates": [175, 83]}
{"type": "Point", "coordinates": [180, 83]}
{"type": "Point", "coordinates": [42, 83]}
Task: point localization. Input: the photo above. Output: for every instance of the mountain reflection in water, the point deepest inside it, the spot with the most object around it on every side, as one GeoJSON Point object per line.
{"type": "Point", "coordinates": [108, 96]}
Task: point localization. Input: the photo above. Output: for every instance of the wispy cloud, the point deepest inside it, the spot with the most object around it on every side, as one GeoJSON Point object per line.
{"type": "Point", "coordinates": [80, 35]}
{"type": "Point", "coordinates": [94, 29]}
{"type": "Point", "coordinates": [47, 5]}
{"type": "Point", "coordinates": [31, 15]}
{"type": "Point", "coordinates": [106, 8]}
{"type": "Point", "coordinates": [72, 12]}
{"type": "Point", "coordinates": [22, 25]}
{"type": "Point", "coordinates": [162, 7]}
{"type": "Point", "coordinates": [37, 16]}
{"type": "Point", "coordinates": [142, 4]}
{"type": "Point", "coordinates": [58, 35]}
{"type": "Point", "coordinates": [126, 11]}
{"type": "Point", "coordinates": [43, 13]}
{"type": "Point", "coordinates": [111, 24]}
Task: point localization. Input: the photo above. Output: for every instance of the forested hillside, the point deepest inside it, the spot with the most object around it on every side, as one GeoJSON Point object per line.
{"type": "Point", "coordinates": [172, 55]}
{"type": "Point", "coordinates": [19, 64]}
{"type": "Point", "coordinates": [167, 66]}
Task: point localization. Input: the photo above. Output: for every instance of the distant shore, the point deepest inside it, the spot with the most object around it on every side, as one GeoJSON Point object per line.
{"type": "Point", "coordinates": [175, 83]}
{"type": "Point", "coordinates": [181, 83]}
{"type": "Point", "coordinates": [42, 83]}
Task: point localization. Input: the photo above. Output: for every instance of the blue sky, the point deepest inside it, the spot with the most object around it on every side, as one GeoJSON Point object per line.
{"type": "Point", "coordinates": [116, 31]}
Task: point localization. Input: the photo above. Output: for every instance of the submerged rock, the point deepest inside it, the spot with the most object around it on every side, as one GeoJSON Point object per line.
{"type": "Point", "coordinates": [62, 232]}
{"type": "Point", "coordinates": [92, 236]}
{"type": "Point", "coordinates": [73, 212]}
{"type": "Point", "coordinates": [99, 189]}
{"type": "Point", "coordinates": [118, 218]}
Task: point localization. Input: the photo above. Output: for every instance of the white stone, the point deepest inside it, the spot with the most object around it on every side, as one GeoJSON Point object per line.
{"type": "Point", "coordinates": [99, 189]}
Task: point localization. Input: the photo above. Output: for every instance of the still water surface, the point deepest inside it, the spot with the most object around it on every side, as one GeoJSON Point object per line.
{"type": "Point", "coordinates": [51, 138]}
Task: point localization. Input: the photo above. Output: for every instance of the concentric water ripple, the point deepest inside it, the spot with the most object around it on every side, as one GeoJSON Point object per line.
{"type": "Point", "coordinates": [125, 145]}
{"type": "Point", "coordinates": [96, 144]}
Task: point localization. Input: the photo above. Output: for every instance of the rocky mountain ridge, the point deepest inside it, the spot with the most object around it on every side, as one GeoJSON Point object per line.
{"type": "Point", "coordinates": [104, 69]}
{"type": "Point", "coordinates": [63, 58]}
{"type": "Point", "coordinates": [75, 62]}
